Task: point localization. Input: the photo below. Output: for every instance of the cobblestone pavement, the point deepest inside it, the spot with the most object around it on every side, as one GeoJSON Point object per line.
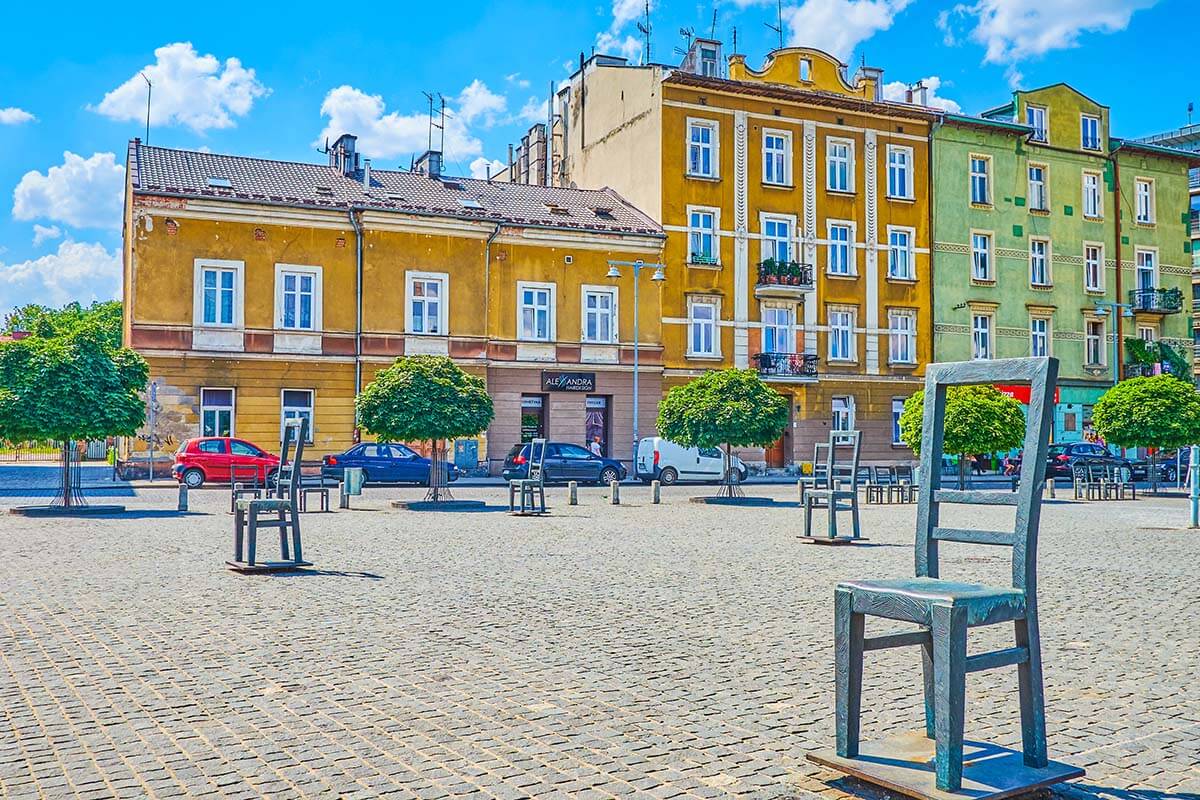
{"type": "Point", "coordinates": [663, 651]}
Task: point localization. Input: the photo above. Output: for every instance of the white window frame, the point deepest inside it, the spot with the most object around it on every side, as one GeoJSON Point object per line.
{"type": "Point", "coordinates": [902, 337]}
{"type": "Point", "coordinates": [1151, 211]}
{"type": "Point", "coordinates": [1044, 128]}
{"type": "Point", "coordinates": [897, 411]}
{"type": "Point", "coordinates": [551, 317]}
{"type": "Point", "coordinates": [1147, 333]}
{"type": "Point", "coordinates": [770, 244]}
{"type": "Point", "coordinates": [715, 233]}
{"type": "Point", "coordinates": [443, 320]}
{"type": "Point", "coordinates": [989, 253]}
{"type": "Point", "coordinates": [1098, 211]}
{"type": "Point", "coordinates": [986, 176]}
{"type": "Point", "coordinates": [784, 157]}
{"type": "Point", "coordinates": [714, 148]}
{"type": "Point", "coordinates": [299, 270]}
{"type": "Point", "coordinates": [830, 160]}
{"type": "Point", "coordinates": [1033, 335]}
{"type": "Point", "coordinates": [613, 316]}
{"type": "Point", "coordinates": [788, 328]}
{"type": "Point", "coordinates": [1043, 187]}
{"type": "Point", "coordinates": [851, 248]}
{"type": "Point", "coordinates": [1046, 262]}
{"type": "Point", "coordinates": [715, 304]}
{"type": "Point", "coordinates": [1100, 339]}
{"type": "Point", "coordinates": [851, 339]}
{"type": "Point", "coordinates": [239, 293]}
{"type": "Point", "coordinates": [1083, 142]}
{"type": "Point", "coordinates": [909, 253]}
{"type": "Point", "coordinates": [842, 419]}
{"type": "Point", "coordinates": [231, 408]}
{"type": "Point", "coordinates": [905, 170]}
{"type": "Point", "coordinates": [311, 409]}
{"type": "Point", "coordinates": [990, 342]}
{"type": "Point", "coordinates": [1138, 268]}
{"type": "Point", "coordinates": [1099, 248]}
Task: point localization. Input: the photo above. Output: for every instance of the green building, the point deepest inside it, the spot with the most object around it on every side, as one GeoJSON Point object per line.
{"type": "Point", "coordinates": [1035, 204]}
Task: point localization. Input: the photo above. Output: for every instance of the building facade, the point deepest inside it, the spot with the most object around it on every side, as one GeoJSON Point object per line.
{"type": "Point", "coordinates": [1035, 206]}
{"type": "Point", "coordinates": [259, 290]}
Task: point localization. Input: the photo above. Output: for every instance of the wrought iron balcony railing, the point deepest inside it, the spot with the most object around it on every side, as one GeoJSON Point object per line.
{"type": "Point", "coordinates": [786, 365]}
{"type": "Point", "coordinates": [785, 273]}
{"type": "Point", "coordinates": [1156, 301]}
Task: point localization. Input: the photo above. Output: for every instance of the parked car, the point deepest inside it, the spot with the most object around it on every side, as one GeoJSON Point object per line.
{"type": "Point", "coordinates": [1171, 464]}
{"type": "Point", "coordinates": [384, 462]}
{"type": "Point", "coordinates": [662, 460]}
{"type": "Point", "coordinates": [564, 462]}
{"type": "Point", "coordinates": [222, 459]}
{"type": "Point", "coordinates": [1061, 459]}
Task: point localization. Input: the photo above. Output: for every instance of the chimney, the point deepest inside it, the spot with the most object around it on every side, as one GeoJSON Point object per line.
{"type": "Point", "coordinates": [343, 156]}
{"type": "Point", "coordinates": [429, 163]}
{"type": "Point", "coordinates": [918, 94]}
{"type": "Point", "coordinates": [871, 74]}
{"type": "Point", "coordinates": [367, 174]}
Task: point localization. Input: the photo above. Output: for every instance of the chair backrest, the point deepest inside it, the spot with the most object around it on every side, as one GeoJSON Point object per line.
{"type": "Point", "coordinates": [537, 457]}
{"type": "Point", "coordinates": [288, 479]}
{"type": "Point", "coordinates": [886, 476]}
{"type": "Point", "coordinates": [904, 473]}
{"type": "Point", "coordinates": [866, 474]}
{"type": "Point", "coordinates": [820, 467]}
{"type": "Point", "coordinates": [1041, 374]}
{"type": "Point", "coordinates": [841, 459]}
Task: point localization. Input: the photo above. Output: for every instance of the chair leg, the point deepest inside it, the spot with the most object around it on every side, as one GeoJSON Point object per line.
{"type": "Point", "coordinates": [296, 552]}
{"type": "Point", "coordinates": [927, 673]}
{"type": "Point", "coordinates": [808, 507]}
{"type": "Point", "coordinates": [848, 650]}
{"type": "Point", "coordinates": [854, 516]}
{"type": "Point", "coordinates": [239, 531]}
{"type": "Point", "coordinates": [251, 535]}
{"type": "Point", "coordinates": [832, 520]}
{"type": "Point", "coordinates": [950, 693]}
{"type": "Point", "coordinates": [1029, 684]}
{"type": "Point", "coordinates": [283, 538]}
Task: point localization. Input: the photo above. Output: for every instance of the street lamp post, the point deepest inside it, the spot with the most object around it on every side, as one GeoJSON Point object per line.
{"type": "Point", "coordinates": [614, 272]}
{"type": "Point", "coordinates": [1103, 307]}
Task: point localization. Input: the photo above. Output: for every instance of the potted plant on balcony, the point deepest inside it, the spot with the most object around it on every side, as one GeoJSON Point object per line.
{"type": "Point", "coordinates": [768, 271]}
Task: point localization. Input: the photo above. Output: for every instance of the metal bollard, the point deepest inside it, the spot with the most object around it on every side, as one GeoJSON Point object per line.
{"type": "Point", "coordinates": [572, 493]}
{"type": "Point", "coordinates": [655, 496]}
{"type": "Point", "coordinates": [183, 497]}
{"type": "Point", "coordinates": [800, 489]}
{"type": "Point", "coordinates": [343, 498]}
{"type": "Point", "coordinates": [615, 488]}
{"type": "Point", "coordinates": [1051, 481]}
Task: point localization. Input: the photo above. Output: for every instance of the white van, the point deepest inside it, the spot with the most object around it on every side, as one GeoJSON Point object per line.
{"type": "Point", "coordinates": [667, 462]}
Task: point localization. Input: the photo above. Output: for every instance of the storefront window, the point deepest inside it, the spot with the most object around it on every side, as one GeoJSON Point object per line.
{"type": "Point", "coordinates": [533, 417]}
{"type": "Point", "coordinates": [596, 424]}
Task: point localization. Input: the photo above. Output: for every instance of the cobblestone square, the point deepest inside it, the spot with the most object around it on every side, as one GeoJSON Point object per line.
{"type": "Point", "coordinates": [679, 650]}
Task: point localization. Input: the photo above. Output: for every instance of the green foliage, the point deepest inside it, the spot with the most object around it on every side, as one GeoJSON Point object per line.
{"type": "Point", "coordinates": [1150, 354]}
{"type": "Point", "coordinates": [731, 406]}
{"type": "Point", "coordinates": [979, 419]}
{"type": "Point", "coordinates": [424, 398]}
{"type": "Point", "coordinates": [101, 319]}
{"type": "Point", "coordinates": [71, 386]}
{"type": "Point", "coordinates": [1159, 411]}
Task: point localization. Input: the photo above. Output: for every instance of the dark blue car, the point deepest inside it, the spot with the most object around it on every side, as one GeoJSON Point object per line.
{"type": "Point", "coordinates": [384, 462]}
{"type": "Point", "coordinates": [564, 462]}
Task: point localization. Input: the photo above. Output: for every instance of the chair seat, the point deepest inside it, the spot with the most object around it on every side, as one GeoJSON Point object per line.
{"type": "Point", "coordinates": [912, 600]}
{"type": "Point", "coordinates": [265, 504]}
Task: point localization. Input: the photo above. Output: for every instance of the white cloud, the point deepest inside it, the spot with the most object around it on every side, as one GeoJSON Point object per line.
{"type": "Point", "coordinates": [895, 91]}
{"type": "Point", "coordinates": [43, 232]}
{"type": "Point", "coordinates": [483, 168]}
{"type": "Point", "coordinates": [76, 271]}
{"type": "Point", "coordinates": [516, 80]}
{"type": "Point", "coordinates": [534, 110]}
{"type": "Point", "coordinates": [613, 41]}
{"type": "Point", "coordinates": [198, 91]}
{"type": "Point", "coordinates": [838, 26]}
{"type": "Point", "coordinates": [80, 192]}
{"type": "Point", "coordinates": [478, 103]}
{"type": "Point", "coordinates": [15, 116]}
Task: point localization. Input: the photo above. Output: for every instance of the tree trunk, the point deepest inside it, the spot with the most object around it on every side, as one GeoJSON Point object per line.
{"type": "Point", "coordinates": [66, 474]}
{"type": "Point", "coordinates": [438, 490]}
{"type": "Point", "coordinates": [962, 471]}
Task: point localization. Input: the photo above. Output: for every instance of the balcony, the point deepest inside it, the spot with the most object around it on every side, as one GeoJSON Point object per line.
{"type": "Point", "coordinates": [1140, 370]}
{"type": "Point", "coordinates": [786, 365]}
{"type": "Point", "coordinates": [1194, 224]}
{"type": "Point", "coordinates": [784, 279]}
{"type": "Point", "coordinates": [703, 260]}
{"type": "Point", "coordinates": [1156, 301]}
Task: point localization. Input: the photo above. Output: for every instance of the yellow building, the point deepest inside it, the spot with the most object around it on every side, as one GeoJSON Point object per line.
{"type": "Point", "coordinates": [259, 290]}
{"type": "Point", "coordinates": [796, 205]}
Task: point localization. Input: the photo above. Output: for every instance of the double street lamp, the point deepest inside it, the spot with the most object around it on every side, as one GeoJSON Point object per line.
{"type": "Point", "coordinates": [1102, 307]}
{"type": "Point", "coordinates": [614, 273]}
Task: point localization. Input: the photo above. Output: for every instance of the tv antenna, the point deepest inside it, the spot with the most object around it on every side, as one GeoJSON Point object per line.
{"type": "Point", "coordinates": [150, 89]}
{"type": "Point", "coordinates": [440, 124]}
{"type": "Point", "coordinates": [644, 27]}
{"type": "Point", "coordinates": [778, 27]}
{"type": "Point", "coordinates": [712, 34]}
{"type": "Point", "coordinates": [687, 34]}
{"type": "Point", "coordinates": [1191, 108]}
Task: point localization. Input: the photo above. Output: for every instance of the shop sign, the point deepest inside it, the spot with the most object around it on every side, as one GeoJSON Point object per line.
{"type": "Point", "coordinates": [1020, 392]}
{"type": "Point", "coordinates": [568, 381]}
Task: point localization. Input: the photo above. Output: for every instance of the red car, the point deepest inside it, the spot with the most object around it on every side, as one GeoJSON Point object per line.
{"type": "Point", "coordinates": [222, 459]}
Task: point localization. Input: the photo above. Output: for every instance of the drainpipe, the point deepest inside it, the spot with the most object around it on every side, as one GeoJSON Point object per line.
{"type": "Point", "coordinates": [487, 280]}
{"type": "Point", "coordinates": [937, 124]}
{"type": "Point", "coordinates": [1117, 342]}
{"type": "Point", "coordinates": [356, 223]}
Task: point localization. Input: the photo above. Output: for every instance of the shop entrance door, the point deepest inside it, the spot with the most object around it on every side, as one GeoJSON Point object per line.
{"type": "Point", "coordinates": [533, 417]}
{"type": "Point", "coordinates": [596, 423]}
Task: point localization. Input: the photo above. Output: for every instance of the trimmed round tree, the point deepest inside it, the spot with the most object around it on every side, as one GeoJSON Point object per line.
{"type": "Point", "coordinates": [425, 398]}
{"type": "Point", "coordinates": [73, 387]}
{"type": "Point", "coordinates": [724, 408]}
{"type": "Point", "coordinates": [1161, 411]}
{"type": "Point", "coordinates": [979, 419]}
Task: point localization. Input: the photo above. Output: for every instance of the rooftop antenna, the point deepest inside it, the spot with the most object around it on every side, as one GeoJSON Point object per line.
{"type": "Point", "coordinates": [778, 28]}
{"type": "Point", "coordinates": [1191, 108]}
{"type": "Point", "coordinates": [150, 89]}
{"type": "Point", "coordinates": [645, 28]}
{"type": "Point", "coordinates": [687, 34]}
{"type": "Point", "coordinates": [712, 34]}
{"type": "Point", "coordinates": [440, 125]}
{"type": "Point", "coordinates": [735, 39]}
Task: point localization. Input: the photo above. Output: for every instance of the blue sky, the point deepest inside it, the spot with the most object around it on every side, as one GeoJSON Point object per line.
{"type": "Point", "coordinates": [256, 80]}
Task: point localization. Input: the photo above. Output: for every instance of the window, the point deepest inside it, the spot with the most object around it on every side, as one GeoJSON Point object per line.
{"type": "Point", "coordinates": [1039, 262]}
{"type": "Point", "coordinates": [902, 339]}
{"type": "Point", "coordinates": [239, 448]}
{"type": "Point", "coordinates": [1147, 333]}
{"type": "Point", "coordinates": [777, 329]}
{"type": "Point", "coordinates": [1093, 338]}
{"type": "Point", "coordinates": [900, 171]}
{"type": "Point", "coordinates": [840, 248]}
{"type": "Point", "coordinates": [1035, 117]}
{"type": "Point", "coordinates": [702, 328]}
{"type": "Point", "coordinates": [843, 413]}
{"type": "Point", "coordinates": [897, 410]}
{"type": "Point", "coordinates": [1037, 188]}
{"type": "Point", "coordinates": [1144, 192]}
{"type": "Point", "coordinates": [218, 295]}
{"type": "Point", "coordinates": [777, 158]}
{"type": "Point", "coordinates": [702, 148]}
{"type": "Point", "coordinates": [900, 255]}
{"type": "Point", "coordinates": [981, 193]}
{"type": "Point", "coordinates": [297, 404]}
{"type": "Point", "coordinates": [805, 69]}
{"type": "Point", "coordinates": [216, 412]}
{"type": "Point", "coordinates": [427, 303]}
{"type": "Point", "coordinates": [1093, 268]}
{"type": "Point", "coordinates": [839, 165]}
{"type": "Point", "coordinates": [981, 256]}
{"type": "Point", "coordinates": [1089, 132]}
{"type": "Point", "coordinates": [213, 446]}
{"type": "Point", "coordinates": [841, 335]}
{"type": "Point", "coordinates": [981, 336]}
{"type": "Point", "coordinates": [298, 297]}
{"type": "Point", "coordinates": [702, 236]}
{"type": "Point", "coordinates": [535, 312]}
{"type": "Point", "coordinates": [1091, 195]}
{"type": "Point", "coordinates": [777, 238]}
{"type": "Point", "coordinates": [1039, 336]}
{"type": "Point", "coordinates": [708, 61]}
{"type": "Point", "coordinates": [1147, 270]}
{"type": "Point", "coordinates": [599, 315]}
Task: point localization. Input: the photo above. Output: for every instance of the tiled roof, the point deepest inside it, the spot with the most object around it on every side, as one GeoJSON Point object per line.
{"type": "Point", "coordinates": [191, 173]}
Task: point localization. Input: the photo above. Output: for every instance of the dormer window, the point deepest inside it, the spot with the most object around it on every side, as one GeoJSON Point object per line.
{"type": "Point", "coordinates": [219, 183]}
{"type": "Point", "coordinates": [805, 69]}
{"type": "Point", "coordinates": [1089, 132]}
{"type": "Point", "coordinates": [1035, 117]}
{"type": "Point", "coordinates": [708, 62]}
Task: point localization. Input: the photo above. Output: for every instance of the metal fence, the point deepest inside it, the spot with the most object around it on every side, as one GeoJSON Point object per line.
{"type": "Point", "coordinates": [48, 451]}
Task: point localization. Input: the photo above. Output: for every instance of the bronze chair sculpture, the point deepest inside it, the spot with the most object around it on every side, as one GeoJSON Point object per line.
{"type": "Point", "coordinates": [282, 502]}
{"type": "Point", "coordinates": [945, 610]}
{"type": "Point", "coordinates": [841, 494]}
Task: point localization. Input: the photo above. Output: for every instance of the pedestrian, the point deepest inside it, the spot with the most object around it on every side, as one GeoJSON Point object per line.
{"type": "Point", "coordinates": [595, 447]}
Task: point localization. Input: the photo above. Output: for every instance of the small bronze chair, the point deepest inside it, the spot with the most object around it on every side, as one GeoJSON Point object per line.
{"type": "Point", "coordinates": [531, 488]}
{"type": "Point", "coordinates": [841, 467]}
{"type": "Point", "coordinates": [282, 503]}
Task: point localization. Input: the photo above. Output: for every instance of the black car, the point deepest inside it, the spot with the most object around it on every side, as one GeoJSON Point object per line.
{"type": "Point", "coordinates": [564, 462]}
{"type": "Point", "coordinates": [1171, 465]}
{"type": "Point", "coordinates": [1061, 459]}
{"type": "Point", "coordinates": [384, 462]}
